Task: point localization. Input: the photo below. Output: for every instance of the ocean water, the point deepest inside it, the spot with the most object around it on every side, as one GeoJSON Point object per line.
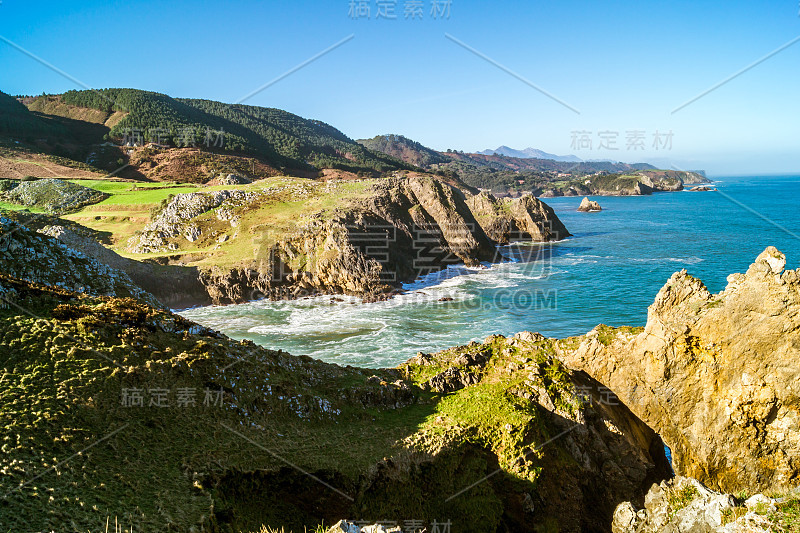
{"type": "Point", "coordinates": [608, 272]}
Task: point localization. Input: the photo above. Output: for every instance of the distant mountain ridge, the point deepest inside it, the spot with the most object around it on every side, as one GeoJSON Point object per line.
{"type": "Point", "coordinates": [500, 170]}
{"type": "Point", "coordinates": [531, 153]}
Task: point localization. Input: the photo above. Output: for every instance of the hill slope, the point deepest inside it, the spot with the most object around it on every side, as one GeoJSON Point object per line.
{"type": "Point", "coordinates": [405, 149]}
{"type": "Point", "coordinates": [280, 138]}
{"type": "Point", "coordinates": [113, 410]}
{"type": "Point", "coordinates": [17, 120]}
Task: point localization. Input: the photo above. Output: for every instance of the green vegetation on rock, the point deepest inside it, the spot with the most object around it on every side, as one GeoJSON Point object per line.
{"type": "Point", "coordinates": [114, 410]}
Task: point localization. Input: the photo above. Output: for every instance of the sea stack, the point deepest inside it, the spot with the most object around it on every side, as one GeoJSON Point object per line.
{"type": "Point", "coordinates": [589, 206]}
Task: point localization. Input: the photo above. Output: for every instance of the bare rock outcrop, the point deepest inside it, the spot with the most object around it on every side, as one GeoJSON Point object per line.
{"type": "Point", "coordinates": [589, 206]}
{"type": "Point", "coordinates": [685, 505]}
{"type": "Point", "coordinates": [177, 218]}
{"type": "Point", "coordinates": [520, 219]}
{"type": "Point", "coordinates": [42, 259]}
{"type": "Point", "coordinates": [717, 376]}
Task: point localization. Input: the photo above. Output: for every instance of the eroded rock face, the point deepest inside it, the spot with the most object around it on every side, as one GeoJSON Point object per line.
{"type": "Point", "coordinates": [717, 376]}
{"type": "Point", "coordinates": [41, 259]}
{"type": "Point", "coordinates": [405, 229]}
{"type": "Point", "coordinates": [525, 218]}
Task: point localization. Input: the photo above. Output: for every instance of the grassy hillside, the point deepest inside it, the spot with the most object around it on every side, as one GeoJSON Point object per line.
{"type": "Point", "coordinates": [111, 410]}
{"type": "Point", "coordinates": [54, 105]}
{"type": "Point", "coordinates": [280, 138]}
{"type": "Point", "coordinates": [282, 204]}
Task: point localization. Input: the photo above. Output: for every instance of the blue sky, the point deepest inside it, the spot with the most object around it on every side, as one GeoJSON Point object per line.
{"type": "Point", "coordinates": [624, 65]}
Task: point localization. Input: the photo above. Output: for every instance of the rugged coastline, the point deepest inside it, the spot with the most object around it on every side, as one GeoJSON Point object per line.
{"type": "Point", "coordinates": [289, 238]}
{"type": "Point", "coordinates": [565, 432]}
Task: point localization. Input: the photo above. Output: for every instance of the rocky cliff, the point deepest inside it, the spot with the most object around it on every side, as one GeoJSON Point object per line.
{"type": "Point", "coordinates": [398, 230]}
{"type": "Point", "coordinates": [519, 219]}
{"type": "Point", "coordinates": [715, 375]}
{"type": "Point", "coordinates": [642, 182]}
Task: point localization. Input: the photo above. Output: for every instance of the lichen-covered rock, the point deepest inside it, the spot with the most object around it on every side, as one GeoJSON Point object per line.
{"type": "Point", "coordinates": [451, 380]}
{"type": "Point", "coordinates": [717, 376]}
{"type": "Point", "coordinates": [683, 505]}
{"type": "Point", "coordinates": [176, 218]}
{"type": "Point", "coordinates": [52, 195]}
{"type": "Point", "coordinates": [42, 259]}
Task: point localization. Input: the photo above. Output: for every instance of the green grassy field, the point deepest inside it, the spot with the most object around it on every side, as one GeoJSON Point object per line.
{"type": "Point", "coordinates": [18, 207]}
{"type": "Point", "coordinates": [283, 204]}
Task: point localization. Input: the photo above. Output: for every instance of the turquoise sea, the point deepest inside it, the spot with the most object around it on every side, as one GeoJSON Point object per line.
{"type": "Point", "coordinates": [608, 272]}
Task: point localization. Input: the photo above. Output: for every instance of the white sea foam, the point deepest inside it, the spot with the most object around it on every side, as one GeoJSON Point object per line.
{"type": "Point", "coordinates": [683, 260]}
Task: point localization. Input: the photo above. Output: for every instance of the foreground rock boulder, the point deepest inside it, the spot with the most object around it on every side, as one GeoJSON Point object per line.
{"type": "Point", "coordinates": [684, 505]}
{"type": "Point", "coordinates": [589, 206]}
{"type": "Point", "coordinates": [716, 375]}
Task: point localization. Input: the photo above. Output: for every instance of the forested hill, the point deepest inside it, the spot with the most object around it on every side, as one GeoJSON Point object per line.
{"type": "Point", "coordinates": [280, 138]}
{"type": "Point", "coordinates": [405, 149]}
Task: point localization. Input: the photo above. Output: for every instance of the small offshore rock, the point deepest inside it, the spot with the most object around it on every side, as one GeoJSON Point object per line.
{"type": "Point", "coordinates": [589, 206]}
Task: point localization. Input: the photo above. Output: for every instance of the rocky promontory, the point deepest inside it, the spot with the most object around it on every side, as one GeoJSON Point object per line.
{"type": "Point", "coordinates": [716, 375]}
{"type": "Point", "coordinates": [368, 244]}
{"type": "Point", "coordinates": [643, 182]}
